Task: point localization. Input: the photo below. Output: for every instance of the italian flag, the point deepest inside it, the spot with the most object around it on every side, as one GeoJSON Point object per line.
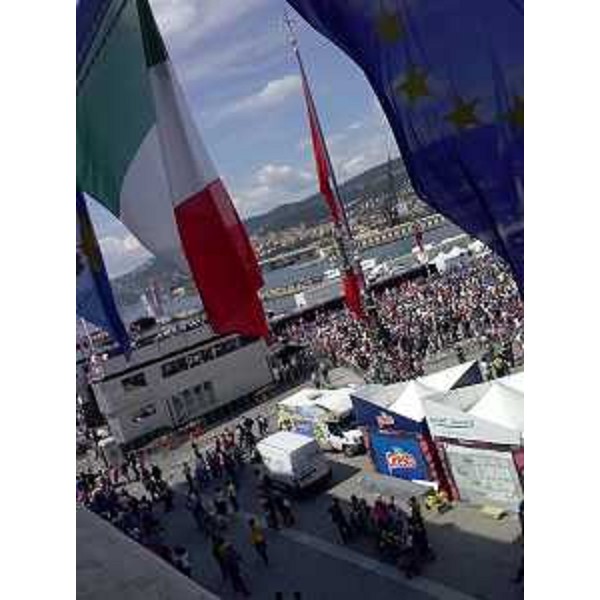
{"type": "Point", "coordinates": [141, 156]}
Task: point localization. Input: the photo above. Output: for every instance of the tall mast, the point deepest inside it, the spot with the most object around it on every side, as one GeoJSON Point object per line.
{"type": "Point", "coordinates": [342, 231]}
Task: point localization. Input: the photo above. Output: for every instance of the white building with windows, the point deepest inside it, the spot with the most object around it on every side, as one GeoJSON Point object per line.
{"type": "Point", "coordinates": [180, 378]}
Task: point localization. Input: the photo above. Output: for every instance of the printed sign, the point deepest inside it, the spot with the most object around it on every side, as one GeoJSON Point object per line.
{"type": "Point", "coordinates": [399, 459]}
{"type": "Point", "coordinates": [385, 421]}
{"type": "Point", "coordinates": [399, 456]}
{"type": "Point", "coordinates": [485, 476]}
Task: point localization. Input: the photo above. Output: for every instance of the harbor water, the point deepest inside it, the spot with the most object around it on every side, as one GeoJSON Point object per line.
{"type": "Point", "coordinates": [299, 272]}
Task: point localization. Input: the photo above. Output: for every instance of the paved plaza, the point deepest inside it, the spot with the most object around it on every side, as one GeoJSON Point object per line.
{"type": "Point", "coordinates": [476, 556]}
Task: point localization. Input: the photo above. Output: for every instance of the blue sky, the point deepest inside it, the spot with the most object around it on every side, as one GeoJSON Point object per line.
{"type": "Point", "coordinates": [242, 83]}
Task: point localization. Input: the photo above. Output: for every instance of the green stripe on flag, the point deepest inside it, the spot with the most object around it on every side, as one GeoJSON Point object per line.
{"type": "Point", "coordinates": [156, 51]}
{"type": "Point", "coordinates": [115, 110]}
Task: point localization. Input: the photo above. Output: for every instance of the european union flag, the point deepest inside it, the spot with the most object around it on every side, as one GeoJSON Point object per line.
{"type": "Point", "coordinates": [95, 302]}
{"type": "Point", "coordinates": [449, 76]}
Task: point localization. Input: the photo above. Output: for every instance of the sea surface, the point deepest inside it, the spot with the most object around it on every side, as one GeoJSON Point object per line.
{"type": "Point", "coordinates": [294, 273]}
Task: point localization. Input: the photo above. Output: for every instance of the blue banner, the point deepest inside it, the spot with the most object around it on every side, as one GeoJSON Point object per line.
{"type": "Point", "coordinates": [369, 414]}
{"type": "Point", "coordinates": [449, 77]}
{"type": "Point", "coordinates": [95, 302]}
{"type": "Point", "coordinates": [398, 456]}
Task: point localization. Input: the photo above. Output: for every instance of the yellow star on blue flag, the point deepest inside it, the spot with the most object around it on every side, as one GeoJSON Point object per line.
{"type": "Point", "coordinates": [414, 85]}
{"type": "Point", "coordinates": [446, 75]}
{"type": "Point", "coordinates": [389, 27]}
{"type": "Point", "coordinates": [516, 115]}
{"type": "Point", "coordinates": [463, 115]}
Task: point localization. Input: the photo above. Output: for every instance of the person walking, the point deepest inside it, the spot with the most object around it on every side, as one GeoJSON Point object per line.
{"type": "Point", "coordinates": [187, 472]}
{"type": "Point", "coordinates": [284, 506]}
{"type": "Point", "coordinates": [218, 552]}
{"type": "Point", "coordinates": [257, 539]}
{"type": "Point", "coordinates": [181, 560]}
{"type": "Point", "coordinates": [415, 511]}
{"type": "Point", "coordinates": [220, 502]}
{"type": "Point", "coordinates": [269, 510]}
{"type": "Point", "coordinates": [263, 425]}
{"type": "Point", "coordinates": [156, 473]}
{"type": "Point", "coordinates": [198, 511]}
{"type": "Point", "coordinates": [232, 564]}
{"type": "Point", "coordinates": [196, 450]}
{"type": "Point", "coordinates": [339, 519]}
{"type": "Point", "coordinates": [410, 559]}
{"type": "Point", "coordinates": [232, 496]}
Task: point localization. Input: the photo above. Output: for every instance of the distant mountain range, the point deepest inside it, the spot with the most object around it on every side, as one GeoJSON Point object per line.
{"type": "Point", "coordinates": [129, 287]}
{"type": "Point", "coordinates": [309, 211]}
{"type": "Point", "coordinates": [313, 210]}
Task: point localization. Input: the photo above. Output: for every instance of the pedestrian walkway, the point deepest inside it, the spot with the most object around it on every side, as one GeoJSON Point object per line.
{"type": "Point", "coordinates": [356, 559]}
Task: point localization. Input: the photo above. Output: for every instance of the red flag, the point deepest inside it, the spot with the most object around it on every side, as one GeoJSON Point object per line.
{"type": "Point", "coordinates": [352, 295]}
{"type": "Point", "coordinates": [328, 188]}
{"type": "Point", "coordinates": [418, 233]}
{"type": "Point", "coordinates": [214, 240]}
{"type": "Point", "coordinates": [323, 164]}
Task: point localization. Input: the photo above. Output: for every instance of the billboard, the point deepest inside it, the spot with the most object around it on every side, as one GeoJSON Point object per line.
{"type": "Point", "coordinates": [485, 476]}
{"type": "Point", "coordinates": [398, 456]}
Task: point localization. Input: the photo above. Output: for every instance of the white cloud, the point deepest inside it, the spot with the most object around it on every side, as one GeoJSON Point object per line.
{"type": "Point", "coordinates": [354, 166]}
{"type": "Point", "coordinates": [175, 16]}
{"type": "Point", "coordinates": [355, 125]}
{"type": "Point", "coordinates": [122, 253]}
{"type": "Point", "coordinates": [277, 175]}
{"type": "Point", "coordinates": [242, 56]}
{"type": "Point", "coordinates": [185, 22]}
{"type": "Point", "coordinates": [274, 93]}
{"type": "Point", "coordinates": [354, 149]}
{"type": "Point", "coordinates": [272, 185]}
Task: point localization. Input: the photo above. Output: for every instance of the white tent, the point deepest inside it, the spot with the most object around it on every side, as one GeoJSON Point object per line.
{"type": "Point", "coordinates": [465, 398]}
{"type": "Point", "coordinates": [410, 401]}
{"type": "Point", "coordinates": [404, 398]}
{"type": "Point", "coordinates": [447, 379]}
{"type": "Point", "coordinates": [501, 405]}
{"type": "Point", "coordinates": [440, 261]}
{"type": "Point", "coordinates": [336, 402]}
{"type": "Point", "coordinates": [426, 247]}
{"type": "Point", "coordinates": [515, 381]}
{"type": "Point", "coordinates": [476, 247]}
{"type": "Point", "coordinates": [455, 252]}
{"type": "Point", "coordinates": [447, 422]}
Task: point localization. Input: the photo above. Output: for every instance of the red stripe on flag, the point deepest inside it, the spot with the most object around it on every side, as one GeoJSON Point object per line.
{"type": "Point", "coordinates": [352, 295]}
{"type": "Point", "coordinates": [418, 233]}
{"type": "Point", "coordinates": [320, 152]}
{"type": "Point", "coordinates": [222, 262]}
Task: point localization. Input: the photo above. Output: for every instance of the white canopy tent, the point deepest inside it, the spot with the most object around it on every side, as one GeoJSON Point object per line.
{"type": "Point", "coordinates": [336, 402]}
{"type": "Point", "coordinates": [501, 405]}
{"type": "Point", "coordinates": [448, 379]}
{"type": "Point", "coordinates": [515, 381]}
{"type": "Point", "coordinates": [465, 398]}
{"type": "Point", "coordinates": [409, 402]}
{"type": "Point", "coordinates": [476, 247]}
{"type": "Point", "coordinates": [447, 422]}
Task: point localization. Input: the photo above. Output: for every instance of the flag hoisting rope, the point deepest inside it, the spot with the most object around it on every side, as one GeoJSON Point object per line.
{"type": "Point", "coordinates": [353, 281]}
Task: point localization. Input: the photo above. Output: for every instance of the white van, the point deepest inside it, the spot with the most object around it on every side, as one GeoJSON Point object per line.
{"type": "Point", "coordinates": [293, 460]}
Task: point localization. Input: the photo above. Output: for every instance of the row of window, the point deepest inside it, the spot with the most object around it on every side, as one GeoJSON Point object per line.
{"type": "Point", "coordinates": [185, 405]}
{"type": "Point", "coordinates": [192, 401]}
{"type": "Point", "coordinates": [193, 359]}
{"type": "Point", "coordinates": [189, 361]}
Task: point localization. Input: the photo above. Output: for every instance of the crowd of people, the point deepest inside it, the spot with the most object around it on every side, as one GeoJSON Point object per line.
{"type": "Point", "coordinates": [401, 537]}
{"type": "Point", "coordinates": [211, 497]}
{"type": "Point", "coordinates": [475, 303]}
